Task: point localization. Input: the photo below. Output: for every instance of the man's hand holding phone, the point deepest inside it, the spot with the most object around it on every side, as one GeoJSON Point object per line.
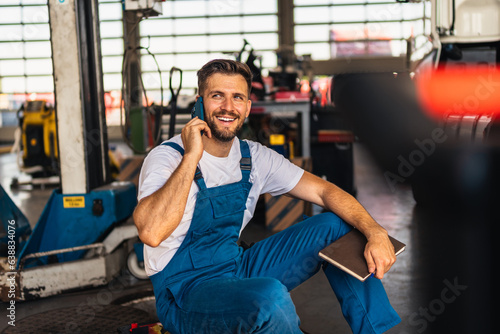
{"type": "Point", "coordinates": [193, 131]}
{"type": "Point", "coordinates": [197, 110]}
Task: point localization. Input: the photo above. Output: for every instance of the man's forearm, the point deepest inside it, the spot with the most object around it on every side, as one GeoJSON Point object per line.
{"type": "Point", "coordinates": [379, 252]}
{"type": "Point", "coordinates": [159, 214]}
{"type": "Point", "coordinates": [350, 210]}
{"type": "Point", "coordinates": [316, 190]}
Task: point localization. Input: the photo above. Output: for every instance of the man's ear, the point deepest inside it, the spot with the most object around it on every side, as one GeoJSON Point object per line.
{"type": "Point", "coordinates": [249, 107]}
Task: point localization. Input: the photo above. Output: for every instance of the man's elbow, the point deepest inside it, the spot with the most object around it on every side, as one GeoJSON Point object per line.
{"type": "Point", "coordinates": [147, 236]}
{"type": "Point", "coordinates": [150, 239]}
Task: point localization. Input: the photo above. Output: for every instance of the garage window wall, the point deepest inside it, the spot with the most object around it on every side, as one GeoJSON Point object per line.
{"type": "Point", "coordinates": [186, 35]}
{"type": "Point", "coordinates": [25, 53]}
{"type": "Point", "coordinates": [349, 28]}
{"type": "Point", "coordinates": [191, 32]}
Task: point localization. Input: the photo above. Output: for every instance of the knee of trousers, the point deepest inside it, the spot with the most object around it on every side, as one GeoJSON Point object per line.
{"type": "Point", "coordinates": [272, 308]}
{"type": "Point", "coordinates": [329, 224]}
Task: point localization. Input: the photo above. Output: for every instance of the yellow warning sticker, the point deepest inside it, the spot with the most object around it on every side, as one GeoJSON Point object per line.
{"type": "Point", "coordinates": [74, 202]}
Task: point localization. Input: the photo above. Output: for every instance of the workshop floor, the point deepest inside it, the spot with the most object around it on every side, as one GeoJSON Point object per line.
{"type": "Point", "coordinates": [316, 304]}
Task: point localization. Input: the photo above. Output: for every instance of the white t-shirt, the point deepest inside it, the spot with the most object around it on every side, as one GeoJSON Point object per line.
{"type": "Point", "coordinates": [271, 173]}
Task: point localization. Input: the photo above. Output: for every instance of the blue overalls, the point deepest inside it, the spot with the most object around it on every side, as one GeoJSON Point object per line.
{"type": "Point", "coordinates": [212, 286]}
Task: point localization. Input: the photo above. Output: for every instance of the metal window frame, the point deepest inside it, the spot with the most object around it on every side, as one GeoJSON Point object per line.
{"type": "Point", "coordinates": [426, 20]}
{"type": "Point", "coordinates": [284, 32]}
{"type": "Point", "coordinates": [119, 53]}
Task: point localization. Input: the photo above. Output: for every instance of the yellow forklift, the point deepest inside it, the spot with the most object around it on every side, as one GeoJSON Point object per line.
{"type": "Point", "coordinates": [37, 144]}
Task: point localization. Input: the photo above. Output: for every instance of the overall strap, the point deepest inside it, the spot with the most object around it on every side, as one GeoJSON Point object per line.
{"type": "Point", "coordinates": [246, 161]}
{"type": "Point", "coordinates": [174, 146]}
{"type": "Point", "coordinates": [198, 177]}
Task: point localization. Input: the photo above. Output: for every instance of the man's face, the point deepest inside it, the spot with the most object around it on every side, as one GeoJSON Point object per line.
{"type": "Point", "coordinates": [226, 104]}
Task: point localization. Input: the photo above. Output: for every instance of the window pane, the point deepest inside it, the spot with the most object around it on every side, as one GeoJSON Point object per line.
{"type": "Point", "coordinates": [13, 85]}
{"type": "Point", "coordinates": [39, 66]}
{"type": "Point", "coordinates": [11, 67]}
{"type": "Point", "coordinates": [10, 15]}
{"type": "Point", "coordinates": [318, 51]}
{"type": "Point", "coordinates": [152, 27]}
{"type": "Point", "coordinates": [148, 64]}
{"type": "Point", "coordinates": [36, 14]}
{"type": "Point", "coordinates": [187, 8]}
{"type": "Point", "coordinates": [263, 41]}
{"type": "Point", "coordinates": [269, 59]}
{"type": "Point", "coordinates": [416, 10]}
{"type": "Point", "coordinates": [152, 80]}
{"type": "Point", "coordinates": [110, 11]}
{"type": "Point", "coordinates": [37, 49]}
{"type": "Point", "coordinates": [111, 29]}
{"type": "Point", "coordinates": [390, 30]}
{"type": "Point", "coordinates": [12, 50]}
{"type": "Point", "coordinates": [312, 33]}
{"type": "Point", "coordinates": [384, 12]}
{"type": "Point", "coordinates": [224, 24]}
{"type": "Point", "coordinates": [398, 48]}
{"type": "Point", "coordinates": [112, 82]}
{"type": "Point", "coordinates": [418, 28]}
{"type": "Point", "coordinates": [190, 61]}
{"type": "Point", "coordinates": [30, 2]}
{"type": "Point", "coordinates": [348, 13]}
{"type": "Point", "coordinates": [260, 23]}
{"type": "Point", "coordinates": [224, 7]}
{"type": "Point", "coordinates": [190, 44]}
{"type": "Point", "coordinates": [348, 31]}
{"type": "Point", "coordinates": [112, 47]}
{"type": "Point", "coordinates": [231, 43]}
{"type": "Point", "coordinates": [311, 15]}
{"type": "Point", "coordinates": [190, 26]}
{"type": "Point", "coordinates": [39, 84]}
{"type": "Point", "coordinates": [11, 33]}
{"type": "Point", "coordinates": [259, 6]}
{"type": "Point", "coordinates": [189, 78]}
{"type": "Point", "coordinates": [311, 2]}
{"type": "Point", "coordinates": [112, 64]}
{"type": "Point", "coordinates": [36, 32]}
{"type": "Point", "coordinates": [158, 44]}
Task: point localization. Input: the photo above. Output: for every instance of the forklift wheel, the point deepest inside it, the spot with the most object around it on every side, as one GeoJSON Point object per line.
{"type": "Point", "coordinates": [135, 267]}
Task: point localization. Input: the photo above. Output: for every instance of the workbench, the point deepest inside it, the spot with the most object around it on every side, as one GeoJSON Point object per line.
{"type": "Point", "coordinates": [285, 109]}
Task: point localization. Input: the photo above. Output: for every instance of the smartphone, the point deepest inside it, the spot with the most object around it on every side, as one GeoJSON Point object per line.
{"type": "Point", "coordinates": [198, 109]}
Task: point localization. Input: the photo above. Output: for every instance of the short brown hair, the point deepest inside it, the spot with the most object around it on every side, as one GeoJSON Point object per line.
{"type": "Point", "coordinates": [223, 66]}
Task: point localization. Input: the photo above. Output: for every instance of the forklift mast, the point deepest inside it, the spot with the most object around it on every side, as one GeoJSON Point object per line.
{"type": "Point", "coordinates": [83, 238]}
{"type": "Point", "coordinates": [79, 95]}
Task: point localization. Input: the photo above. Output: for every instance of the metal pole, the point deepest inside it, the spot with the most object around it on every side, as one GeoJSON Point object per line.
{"type": "Point", "coordinates": [79, 95]}
{"type": "Point", "coordinates": [68, 95]}
{"type": "Point", "coordinates": [286, 34]}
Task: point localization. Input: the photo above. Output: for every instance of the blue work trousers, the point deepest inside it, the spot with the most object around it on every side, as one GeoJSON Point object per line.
{"type": "Point", "coordinates": [255, 298]}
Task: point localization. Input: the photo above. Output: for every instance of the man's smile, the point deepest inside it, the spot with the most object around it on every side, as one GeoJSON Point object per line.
{"type": "Point", "coordinates": [226, 119]}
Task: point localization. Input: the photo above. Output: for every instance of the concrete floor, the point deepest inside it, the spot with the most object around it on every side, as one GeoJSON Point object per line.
{"type": "Point", "coordinates": [407, 284]}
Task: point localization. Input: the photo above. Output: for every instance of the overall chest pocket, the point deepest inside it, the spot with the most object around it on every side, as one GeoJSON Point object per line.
{"type": "Point", "coordinates": [230, 203]}
{"type": "Point", "coordinates": [217, 243]}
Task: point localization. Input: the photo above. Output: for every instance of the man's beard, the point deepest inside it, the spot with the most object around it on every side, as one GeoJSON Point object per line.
{"type": "Point", "coordinates": [224, 134]}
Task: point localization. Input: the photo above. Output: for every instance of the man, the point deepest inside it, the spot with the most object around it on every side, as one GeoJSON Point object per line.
{"type": "Point", "coordinates": [197, 192]}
